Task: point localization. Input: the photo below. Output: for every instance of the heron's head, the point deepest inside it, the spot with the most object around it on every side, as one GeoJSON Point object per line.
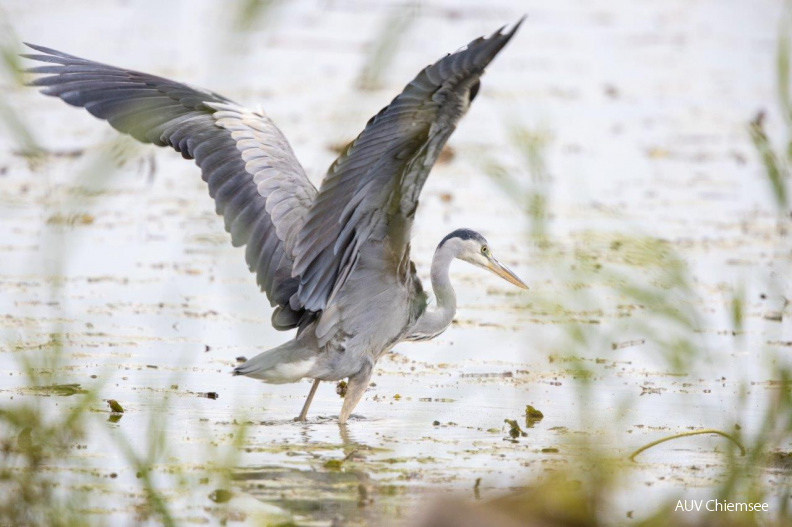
{"type": "Point", "coordinates": [470, 246]}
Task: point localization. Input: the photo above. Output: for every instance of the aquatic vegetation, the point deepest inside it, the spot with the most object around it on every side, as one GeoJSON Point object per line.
{"type": "Point", "coordinates": [532, 413]}
{"type": "Point", "coordinates": [688, 434]}
{"type": "Point", "coordinates": [514, 429]}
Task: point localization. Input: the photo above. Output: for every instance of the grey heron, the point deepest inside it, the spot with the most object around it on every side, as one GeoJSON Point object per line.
{"type": "Point", "coordinates": [334, 262]}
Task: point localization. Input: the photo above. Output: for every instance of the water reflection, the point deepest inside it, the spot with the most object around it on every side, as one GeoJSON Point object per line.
{"type": "Point", "coordinates": [333, 483]}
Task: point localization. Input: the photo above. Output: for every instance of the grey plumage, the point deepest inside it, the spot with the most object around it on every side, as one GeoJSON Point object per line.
{"type": "Point", "coordinates": [378, 178]}
{"type": "Point", "coordinates": [258, 185]}
{"type": "Point", "coordinates": [335, 263]}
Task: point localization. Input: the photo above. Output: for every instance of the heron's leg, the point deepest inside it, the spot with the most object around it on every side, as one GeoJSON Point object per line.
{"type": "Point", "coordinates": [355, 388]}
{"type": "Point", "coordinates": [304, 411]}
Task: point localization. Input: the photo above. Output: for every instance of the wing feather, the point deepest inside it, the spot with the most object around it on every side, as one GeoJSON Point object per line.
{"type": "Point", "coordinates": [373, 187]}
{"type": "Point", "coordinates": [258, 185]}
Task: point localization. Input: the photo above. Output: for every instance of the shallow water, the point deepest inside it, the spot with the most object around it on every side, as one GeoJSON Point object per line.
{"type": "Point", "coordinates": [644, 113]}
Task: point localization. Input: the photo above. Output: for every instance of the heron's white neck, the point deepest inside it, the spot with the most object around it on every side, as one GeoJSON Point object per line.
{"type": "Point", "coordinates": [435, 321]}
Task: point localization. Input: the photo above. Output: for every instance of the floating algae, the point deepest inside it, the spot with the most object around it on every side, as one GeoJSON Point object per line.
{"type": "Point", "coordinates": [335, 464]}
{"type": "Point", "coordinates": [221, 496]}
{"type": "Point", "coordinates": [64, 390]}
{"type": "Point", "coordinates": [115, 407]}
{"type": "Point", "coordinates": [532, 413]}
{"type": "Point", "coordinates": [532, 416]}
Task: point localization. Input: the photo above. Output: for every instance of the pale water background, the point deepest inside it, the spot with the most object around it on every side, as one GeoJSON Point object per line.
{"type": "Point", "coordinates": [642, 110]}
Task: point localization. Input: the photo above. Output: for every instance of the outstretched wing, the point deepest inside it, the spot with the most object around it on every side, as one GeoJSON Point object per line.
{"type": "Point", "coordinates": [371, 191]}
{"type": "Point", "coordinates": [258, 185]}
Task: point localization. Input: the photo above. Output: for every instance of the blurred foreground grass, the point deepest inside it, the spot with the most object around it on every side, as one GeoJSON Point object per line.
{"type": "Point", "coordinates": [39, 433]}
{"type": "Point", "coordinates": [646, 271]}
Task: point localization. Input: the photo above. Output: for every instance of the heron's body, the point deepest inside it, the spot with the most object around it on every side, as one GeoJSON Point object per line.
{"type": "Point", "coordinates": [334, 261]}
{"type": "Point", "coordinates": [336, 345]}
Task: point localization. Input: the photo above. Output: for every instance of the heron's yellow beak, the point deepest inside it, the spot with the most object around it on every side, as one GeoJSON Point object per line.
{"type": "Point", "coordinates": [504, 272]}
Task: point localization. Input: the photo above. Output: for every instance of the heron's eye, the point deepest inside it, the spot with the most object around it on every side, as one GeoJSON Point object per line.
{"type": "Point", "coordinates": [484, 249]}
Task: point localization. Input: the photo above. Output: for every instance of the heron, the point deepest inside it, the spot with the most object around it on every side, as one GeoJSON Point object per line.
{"type": "Point", "coordinates": [334, 262]}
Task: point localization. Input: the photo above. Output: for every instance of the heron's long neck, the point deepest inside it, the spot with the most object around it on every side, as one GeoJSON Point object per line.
{"type": "Point", "coordinates": [435, 321]}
